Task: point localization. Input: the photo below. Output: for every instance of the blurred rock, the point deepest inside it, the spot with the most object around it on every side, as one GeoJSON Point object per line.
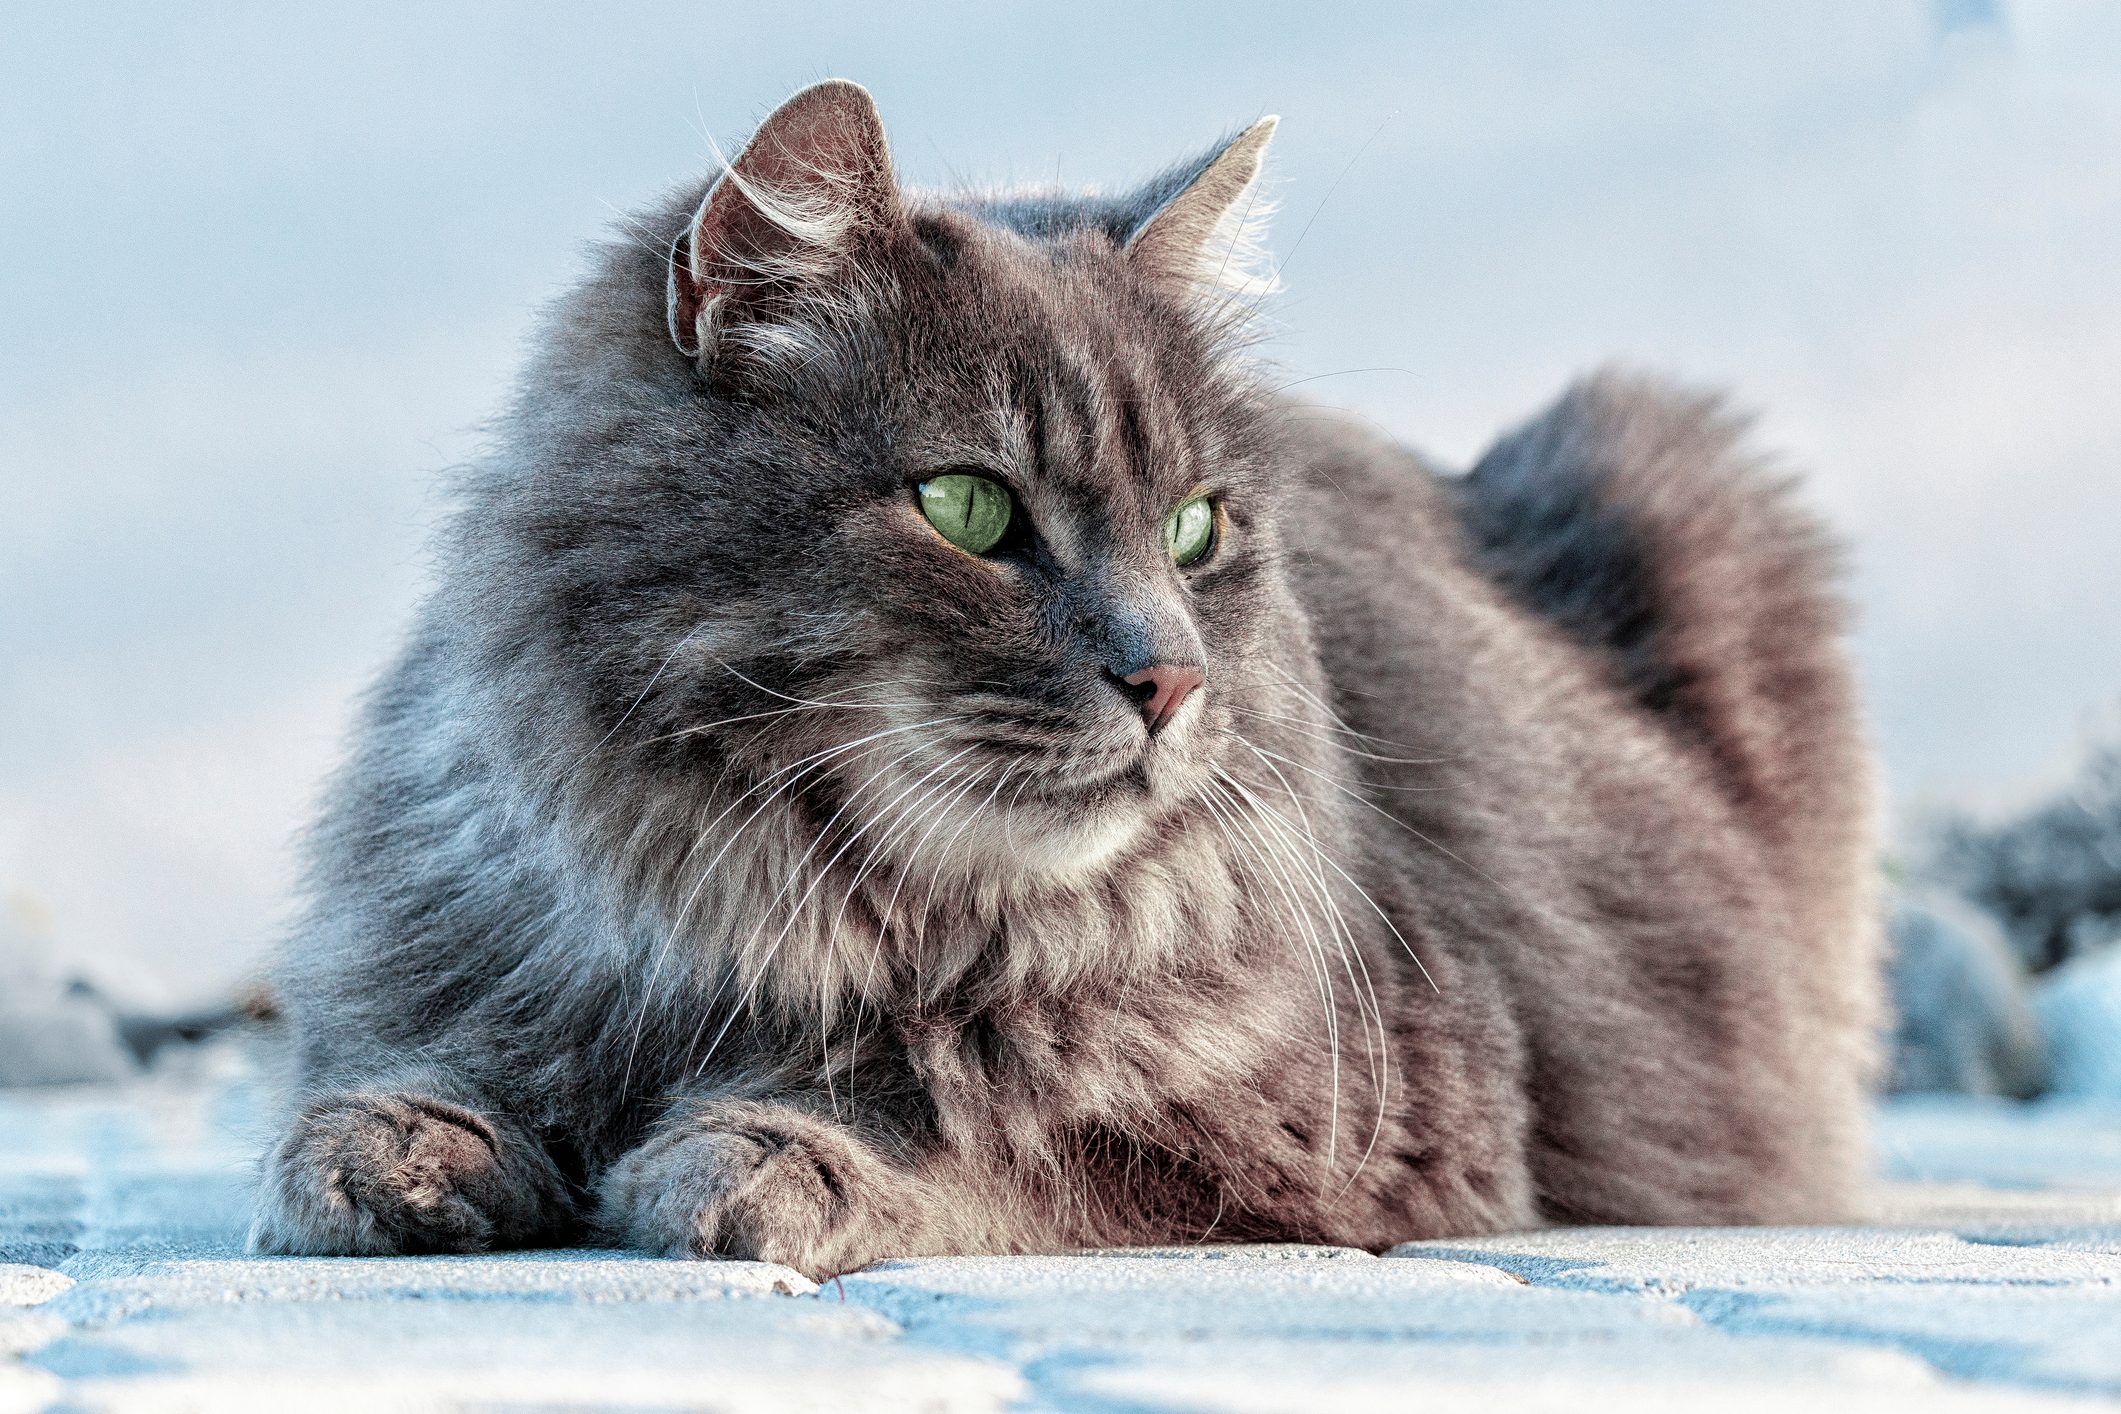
{"type": "Point", "coordinates": [50, 1033]}
{"type": "Point", "coordinates": [61, 1030]}
{"type": "Point", "coordinates": [2079, 1005]}
{"type": "Point", "coordinates": [1964, 1017]}
{"type": "Point", "coordinates": [52, 1038]}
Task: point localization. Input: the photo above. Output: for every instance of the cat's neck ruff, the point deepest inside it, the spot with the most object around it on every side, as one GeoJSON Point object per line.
{"type": "Point", "coordinates": [812, 929]}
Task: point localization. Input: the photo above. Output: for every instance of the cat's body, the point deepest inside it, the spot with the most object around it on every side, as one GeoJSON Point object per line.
{"type": "Point", "coordinates": [731, 865]}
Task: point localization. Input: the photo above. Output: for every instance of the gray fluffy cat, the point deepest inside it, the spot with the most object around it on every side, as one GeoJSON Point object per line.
{"type": "Point", "coordinates": [915, 749]}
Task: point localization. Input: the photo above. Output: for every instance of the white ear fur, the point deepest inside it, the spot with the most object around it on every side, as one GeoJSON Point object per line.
{"type": "Point", "coordinates": [785, 212]}
{"type": "Point", "coordinates": [1211, 232]}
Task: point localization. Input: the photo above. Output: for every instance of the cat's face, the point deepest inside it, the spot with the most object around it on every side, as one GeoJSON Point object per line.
{"type": "Point", "coordinates": [1056, 408]}
{"type": "Point", "coordinates": [960, 536]}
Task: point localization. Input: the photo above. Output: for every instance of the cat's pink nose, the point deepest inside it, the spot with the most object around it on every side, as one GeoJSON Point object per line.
{"type": "Point", "coordinates": [1166, 685]}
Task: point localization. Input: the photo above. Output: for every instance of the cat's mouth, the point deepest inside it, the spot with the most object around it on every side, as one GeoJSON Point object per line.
{"type": "Point", "coordinates": [1067, 764]}
{"type": "Point", "coordinates": [1103, 771]}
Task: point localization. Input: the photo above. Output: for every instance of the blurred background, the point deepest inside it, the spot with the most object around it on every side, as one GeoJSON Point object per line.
{"type": "Point", "coordinates": [267, 267]}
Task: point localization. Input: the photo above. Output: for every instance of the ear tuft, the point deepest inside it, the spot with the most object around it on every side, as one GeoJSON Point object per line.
{"type": "Point", "coordinates": [787, 214]}
{"type": "Point", "coordinates": [1208, 231]}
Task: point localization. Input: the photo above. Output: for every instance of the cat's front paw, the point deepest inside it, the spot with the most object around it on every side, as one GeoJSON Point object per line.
{"type": "Point", "coordinates": [378, 1174]}
{"type": "Point", "coordinates": [760, 1182]}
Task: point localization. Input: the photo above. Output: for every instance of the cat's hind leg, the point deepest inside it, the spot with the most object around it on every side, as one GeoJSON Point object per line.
{"type": "Point", "coordinates": [380, 1172]}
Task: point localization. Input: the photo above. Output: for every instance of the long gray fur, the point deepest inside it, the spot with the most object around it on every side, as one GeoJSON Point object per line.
{"type": "Point", "coordinates": [728, 865]}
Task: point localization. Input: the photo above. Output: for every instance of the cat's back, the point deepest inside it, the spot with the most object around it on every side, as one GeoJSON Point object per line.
{"type": "Point", "coordinates": [1604, 693]}
{"type": "Point", "coordinates": [1625, 543]}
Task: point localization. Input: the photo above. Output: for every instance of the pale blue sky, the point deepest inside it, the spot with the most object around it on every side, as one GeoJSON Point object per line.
{"type": "Point", "coordinates": [266, 267]}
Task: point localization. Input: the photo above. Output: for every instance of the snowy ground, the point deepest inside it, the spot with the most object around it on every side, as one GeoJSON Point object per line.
{"type": "Point", "coordinates": [1993, 1280]}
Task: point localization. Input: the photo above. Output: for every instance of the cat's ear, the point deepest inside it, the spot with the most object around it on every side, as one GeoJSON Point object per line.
{"type": "Point", "coordinates": [1204, 219]}
{"type": "Point", "coordinates": [788, 213]}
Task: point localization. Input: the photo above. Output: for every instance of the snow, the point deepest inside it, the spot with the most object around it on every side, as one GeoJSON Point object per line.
{"type": "Point", "coordinates": [2079, 1006]}
{"type": "Point", "coordinates": [1991, 1280]}
{"type": "Point", "coordinates": [1964, 1021]}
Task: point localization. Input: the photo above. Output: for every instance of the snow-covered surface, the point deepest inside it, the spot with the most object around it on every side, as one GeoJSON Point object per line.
{"type": "Point", "coordinates": [1992, 1280]}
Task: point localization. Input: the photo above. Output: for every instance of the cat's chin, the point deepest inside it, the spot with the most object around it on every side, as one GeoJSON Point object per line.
{"type": "Point", "coordinates": [1063, 836]}
{"type": "Point", "coordinates": [1055, 835]}
{"type": "Point", "coordinates": [1060, 841]}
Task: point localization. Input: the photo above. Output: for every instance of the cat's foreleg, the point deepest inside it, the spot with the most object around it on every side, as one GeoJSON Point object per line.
{"type": "Point", "coordinates": [766, 1181]}
{"type": "Point", "coordinates": [395, 1168]}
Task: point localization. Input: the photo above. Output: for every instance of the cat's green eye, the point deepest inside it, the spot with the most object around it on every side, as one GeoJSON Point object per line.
{"type": "Point", "coordinates": [969, 511]}
{"type": "Point", "coordinates": [1189, 531]}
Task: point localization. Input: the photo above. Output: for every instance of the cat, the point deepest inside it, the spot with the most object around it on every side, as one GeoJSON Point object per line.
{"type": "Point", "coordinates": [917, 747]}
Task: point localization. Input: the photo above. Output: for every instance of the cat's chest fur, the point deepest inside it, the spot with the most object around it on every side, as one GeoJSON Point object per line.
{"type": "Point", "coordinates": [1175, 976]}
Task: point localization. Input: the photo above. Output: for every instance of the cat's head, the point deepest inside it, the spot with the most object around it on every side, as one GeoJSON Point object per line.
{"type": "Point", "coordinates": [949, 517]}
